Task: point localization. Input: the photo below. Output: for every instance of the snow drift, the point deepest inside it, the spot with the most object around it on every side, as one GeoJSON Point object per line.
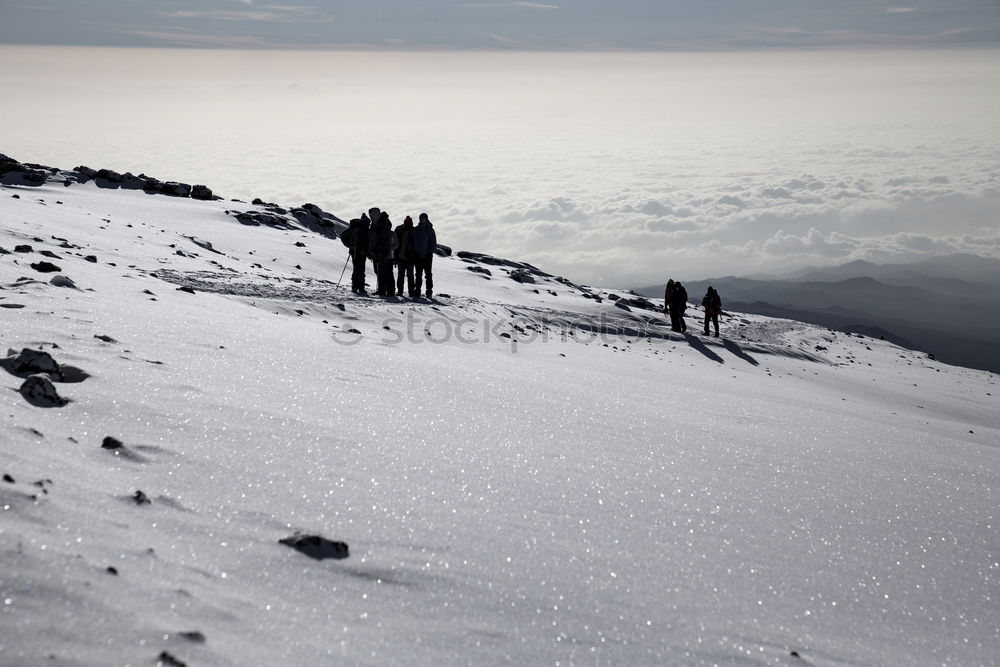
{"type": "Point", "coordinates": [225, 458]}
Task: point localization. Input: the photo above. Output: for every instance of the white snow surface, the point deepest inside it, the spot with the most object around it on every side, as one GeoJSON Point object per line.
{"type": "Point", "coordinates": [593, 490]}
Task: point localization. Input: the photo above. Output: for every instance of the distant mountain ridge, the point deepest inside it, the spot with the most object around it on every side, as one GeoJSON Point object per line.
{"type": "Point", "coordinates": [948, 306]}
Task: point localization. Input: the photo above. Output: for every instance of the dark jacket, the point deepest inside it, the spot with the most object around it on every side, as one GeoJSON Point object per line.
{"type": "Point", "coordinates": [424, 239]}
{"type": "Point", "coordinates": [381, 241]}
{"type": "Point", "coordinates": [712, 303]}
{"type": "Point", "coordinates": [404, 237]}
{"type": "Point", "coordinates": [357, 237]}
{"type": "Point", "coordinates": [679, 298]}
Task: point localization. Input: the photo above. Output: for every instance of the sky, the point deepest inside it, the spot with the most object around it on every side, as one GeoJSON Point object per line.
{"type": "Point", "coordinates": [453, 24]}
{"type": "Point", "coordinates": [692, 140]}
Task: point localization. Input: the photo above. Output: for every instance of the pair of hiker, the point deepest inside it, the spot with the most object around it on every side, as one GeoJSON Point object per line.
{"type": "Point", "coordinates": [414, 255]}
{"type": "Point", "coordinates": [675, 303]}
{"type": "Point", "coordinates": [409, 247]}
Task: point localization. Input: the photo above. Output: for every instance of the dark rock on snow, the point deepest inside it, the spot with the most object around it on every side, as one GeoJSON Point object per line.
{"type": "Point", "coordinates": [167, 659]}
{"type": "Point", "coordinates": [521, 276]}
{"type": "Point", "coordinates": [45, 267]}
{"type": "Point", "coordinates": [28, 362]}
{"type": "Point", "coordinates": [316, 546]}
{"type": "Point", "coordinates": [201, 192]}
{"type": "Point", "coordinates": [39, 391]}
{"type": "Point", "coordinates": [110, 442]}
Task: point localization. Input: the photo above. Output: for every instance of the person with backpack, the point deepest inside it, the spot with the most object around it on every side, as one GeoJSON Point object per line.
{"type": "Point", "coordinates": [382, 247]}
{"type": "Point", "coordinates": [712, 304]}
{"type": "Point", "coordinates": [355, 237]}
{"type": "Point", "coordinates": [404, 257]}
{"type": "Point", "coordinates": [423, 244]}
{"type": "Point", "coordinates": [668, 294]}
{"type": "Point", "coordinates": [678, 304]}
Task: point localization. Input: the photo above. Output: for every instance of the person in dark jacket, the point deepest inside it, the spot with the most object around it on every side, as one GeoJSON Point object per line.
{"type": "Point", "coordinates": [423, 243]}
{"type": "Point", "coordinates": [374, 213]}
{"type": "Point", "coordinates": [382, 247]}
{"type": "Point", "coordinates": [357, 243]}
{"type": "Point", "coordinates": [668, 294]}
{"type": "Point", "coordinates": [678, 304]}
{"type": "Point", "coordinates": [712, 304]}
{"type": "Point", "coordinates": [404, 257]}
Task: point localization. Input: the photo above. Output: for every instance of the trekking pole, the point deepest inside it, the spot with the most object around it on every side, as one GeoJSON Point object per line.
{"type": "Point", "coordinates": [343, 270]}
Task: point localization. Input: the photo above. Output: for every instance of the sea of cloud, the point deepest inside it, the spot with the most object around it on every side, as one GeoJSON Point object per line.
{"type": "Point", "coordinates": [616, 169]}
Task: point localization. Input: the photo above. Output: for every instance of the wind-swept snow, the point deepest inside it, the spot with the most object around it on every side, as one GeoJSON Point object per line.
{"type": "Point", "coordinates": [517, 472]}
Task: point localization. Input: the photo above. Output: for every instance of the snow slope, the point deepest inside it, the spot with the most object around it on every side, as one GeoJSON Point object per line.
{"type": "Point", "coordinates": [523, 472]}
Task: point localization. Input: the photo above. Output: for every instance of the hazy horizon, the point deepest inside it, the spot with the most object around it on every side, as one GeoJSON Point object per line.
{"type": "Point", "coordinates": [609, 168]}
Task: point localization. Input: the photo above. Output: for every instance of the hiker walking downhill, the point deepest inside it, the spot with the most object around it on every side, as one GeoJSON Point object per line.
{"type": "Point", "coordinates": [678, 304]}
{"type": "Point", "coordinates": [423, 243]}
{"type": "Point", "coordinates": [712, 304]}
{"type": "Point", "coordinates": [668, 295]}
{"type": "Point", "coordinates": [404, 258]}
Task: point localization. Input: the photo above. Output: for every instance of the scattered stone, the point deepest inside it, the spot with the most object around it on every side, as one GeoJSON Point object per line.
{"type": "Point", "coordinates": [91, 258]}
{"type": "Point", "coordinates": [111, 442]}
{"type": "Point", "coordinates": [175, 189]}
{"type": "Point", "coordinates": [316, 546]}
{"type": "Point", "coordinates": [63, 281]}
{"type": "Point", "coordinates": [202, 192]}
{"type": "Point", "coordinates": [193, 636]}
{"type": "Point", "coordinates": [112, 570]}
{"type": "Point", "coordinates": [480, 269]}
{"type": "Point", "coordinates": [189, 290]}
{"type": "Point", "coordinates": [8, 479]}
{"type": "Point", "coordinates": [521, 276]}
{"type": "Point", "coordinates": [23, 248]}
{"type": "Point", "coordinates": [300, 244]}
{"type": "Point", "coordinates": [45, 267]}
{"type": "Point", "coordinates": [49, 253]}
{"type": "Point", "coordinates": [106, 339]}
{"type": "Point", "coordinates": [167, 660]}
{"type": "Point", "coordinates": [140, 498]}
{"type": "Point", "coordinates": [40, 392]}
{"type": "Point", "coordinates": [29, 362]}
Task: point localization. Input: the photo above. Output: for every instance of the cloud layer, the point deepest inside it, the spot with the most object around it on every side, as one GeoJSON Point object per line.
{"type": "Point", "coordinates": [612, 168]}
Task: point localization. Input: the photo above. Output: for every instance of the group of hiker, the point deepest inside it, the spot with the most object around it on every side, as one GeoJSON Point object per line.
{"type": "Point", "coordinates": [675, 299]}
{"type": "Point", "coordinates": [409, 248]}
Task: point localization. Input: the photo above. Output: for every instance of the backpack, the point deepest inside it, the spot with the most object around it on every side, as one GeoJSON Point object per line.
{"type": "Point", "coordinates": [345, 238]}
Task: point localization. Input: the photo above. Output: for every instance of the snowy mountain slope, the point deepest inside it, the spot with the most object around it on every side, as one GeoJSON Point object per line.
{"type": "Point", "coordinates": [524, 474]}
